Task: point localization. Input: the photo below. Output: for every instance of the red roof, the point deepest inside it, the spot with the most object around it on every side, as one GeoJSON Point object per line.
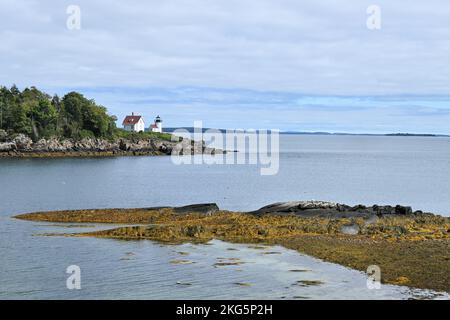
{"type": "Point", "coordinates": [129, 120]}
{"type": "Point", "coordinates": [154, 126]}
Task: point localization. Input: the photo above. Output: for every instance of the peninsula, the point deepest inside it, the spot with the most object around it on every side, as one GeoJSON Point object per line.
{"type": "Point", "coordinates": [35, 124]}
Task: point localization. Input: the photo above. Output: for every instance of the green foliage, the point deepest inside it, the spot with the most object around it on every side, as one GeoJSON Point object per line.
{"type": "Point", "coordinates": [120, 133]}
{"type": "Point", "coordinates": [39, 115]}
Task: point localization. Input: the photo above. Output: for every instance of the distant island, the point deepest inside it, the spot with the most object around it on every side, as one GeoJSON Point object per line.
{"type": "Point", "coordinates": [203, 130]}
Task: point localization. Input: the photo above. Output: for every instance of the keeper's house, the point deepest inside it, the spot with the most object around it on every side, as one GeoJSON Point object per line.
{"type": "Point", "coordinates": [134, 123]}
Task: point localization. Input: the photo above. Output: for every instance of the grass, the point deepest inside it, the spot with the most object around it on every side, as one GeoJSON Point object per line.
{"type": "Point", "coordinates": [120, 133]}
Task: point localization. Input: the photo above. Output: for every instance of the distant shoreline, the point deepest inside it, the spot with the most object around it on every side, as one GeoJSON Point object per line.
{"type": "Point", "coordinates": [77, 154]}
{"type": "Point", "coordinates": [318, 133]}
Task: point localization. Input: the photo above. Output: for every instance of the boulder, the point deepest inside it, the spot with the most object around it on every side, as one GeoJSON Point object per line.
{"type": "Point", "coordinates": [22, 142]}
{"type": "Point", "coordinates": [330, 210]}
{"type": "Point", "coordinates": [124, 145]}
{"type": "Point", "coordinates": [402, 210]}
{"type": "Point", "coordinates": [382, 210]}
{"type": "Point", "coordinates": [3, 135]}
{"type": "Point", "coordinates": [358, 207]}
{"type": "Point", "coordinates": [7, 146]}
{"type": "Point", "coordinates": [203, 208]}
{"type": "Point", "coordinates": [53, 145]}
{"type": "Point", "coordinates": [351, 229]}
{"type": "Point", "coordinates": [295, 206]}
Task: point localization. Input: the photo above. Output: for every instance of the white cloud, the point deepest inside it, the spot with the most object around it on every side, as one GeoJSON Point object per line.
{"type": "Point", "coordinates": [316, 47]}
{"type": "Point", "coordinates": [192, 57]}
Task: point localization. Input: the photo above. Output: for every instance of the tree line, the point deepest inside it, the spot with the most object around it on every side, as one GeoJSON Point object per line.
{"type": "Point", "coordinates": [39, 115]}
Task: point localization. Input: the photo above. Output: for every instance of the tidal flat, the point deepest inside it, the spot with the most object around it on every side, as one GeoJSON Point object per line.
{"type": "Point", "coordinates": [411, 250]}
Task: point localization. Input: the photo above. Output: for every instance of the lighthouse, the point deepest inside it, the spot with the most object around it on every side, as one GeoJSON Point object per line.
{"type": "Point", "coordinates": [157, 126]}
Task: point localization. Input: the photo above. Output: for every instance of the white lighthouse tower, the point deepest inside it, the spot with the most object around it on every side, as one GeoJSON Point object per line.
{"type": "Point", "coordinates": [157, 126]}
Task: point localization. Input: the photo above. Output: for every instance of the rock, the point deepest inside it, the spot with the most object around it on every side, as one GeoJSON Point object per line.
{"type": "Point", "coordinates": [330, 210]}
{"type": "Point", "coordinates": [351, 229]}
{"type": "Point", "coordinates": [53, 145]}
{"type": "Point", "coordinates": [343, 207]}
{"type": "Point", "coordinates": [124, 145]}
{"type": "Point", "coordinates": [383, 210]}
{"type": "Point", "coordinates": [22, 142]}
{"type": "Point", "coordinates": [203, 208]}
{"type": "Point", "coordinates": [358, 207]}
{"type": "Point", "coordinates": [164, 149]}
{"type": "Point", "coordinates": [400, 230]}
{"type": "Point", "coordinates": [306, 209]}
{"type": "Point", "coordinates": [3, 135]}
{"type": "Point", "coordinates": [193, 231]}
{"type": "Point", "coordinates": [403, 210]}
{"type": "Point", "coordinates": [295, 206]}
{"type": "Point", "coordinates": [7, 146]}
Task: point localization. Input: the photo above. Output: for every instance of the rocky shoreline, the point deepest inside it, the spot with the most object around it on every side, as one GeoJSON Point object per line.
{"type": "Point", "coordinates": [21, 146]}
{"type": "Point", "coordinates": [411, 248]}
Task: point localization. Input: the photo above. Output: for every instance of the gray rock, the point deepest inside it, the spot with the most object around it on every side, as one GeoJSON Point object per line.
{"type": "Point", "coordinates": [203, 208]}
{"type": "Point", "coordinates": [22, 142]}
{"type": "Point", "coordinates": [350, 229]}
{"type": "Point", "coordinates": [403, 210]}
{"type": "Point", "coordinates": [3, 135]}
{"type": "Point", "coordinates": [7, 146]}
{"type": "Point", "coordinates": [331, 210]}
{"type": "Point", "coordinates": [382, 210]}
{"type": "Point", "coordinates": [358, 207]}
{"type": "Point", "coordinates": [296, 206]}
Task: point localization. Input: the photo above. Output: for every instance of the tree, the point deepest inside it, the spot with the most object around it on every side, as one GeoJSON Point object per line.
{"type": "Point", "coordinates": [35, 113]}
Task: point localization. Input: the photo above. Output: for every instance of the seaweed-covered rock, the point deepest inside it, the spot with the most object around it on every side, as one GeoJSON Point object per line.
{"type": "Point", "coordinates": [193, 231]}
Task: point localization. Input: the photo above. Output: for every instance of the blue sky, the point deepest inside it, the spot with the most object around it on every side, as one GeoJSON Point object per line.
{"type": "Point", "coordinates": [280, 64]}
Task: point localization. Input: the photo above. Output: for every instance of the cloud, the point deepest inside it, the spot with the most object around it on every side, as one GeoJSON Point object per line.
{"type": "Point", "coordinates": [310, 60]}
{"type": "Point", "coordinates": [239, 108]}
{"type": "Point", "coordinates": [309, 47]}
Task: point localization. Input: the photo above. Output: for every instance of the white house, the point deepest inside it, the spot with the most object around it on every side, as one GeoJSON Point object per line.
{"type": "Point", "coordinates": [157, 126]}
{"type": "Point", "coordinates": [134, 123]}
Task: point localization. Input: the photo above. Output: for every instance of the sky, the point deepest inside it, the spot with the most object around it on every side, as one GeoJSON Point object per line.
{"type": "Point", "coordinates": [310, 65]}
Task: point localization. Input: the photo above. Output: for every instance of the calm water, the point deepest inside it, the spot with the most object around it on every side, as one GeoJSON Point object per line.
{"type": "Point", "coordinates": [385, 170]}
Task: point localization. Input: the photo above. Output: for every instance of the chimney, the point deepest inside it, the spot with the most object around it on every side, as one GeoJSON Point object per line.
{"type": "Point", "coordinates": [132, 113]}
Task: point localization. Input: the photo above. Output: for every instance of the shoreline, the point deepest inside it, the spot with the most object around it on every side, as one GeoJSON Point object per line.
{"type": "Point", "coordinates": [22, 146]}
{"type": "Point", "coordinates": [411, 250]}
{"type": "Point", "coordinates": [78, 154]}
